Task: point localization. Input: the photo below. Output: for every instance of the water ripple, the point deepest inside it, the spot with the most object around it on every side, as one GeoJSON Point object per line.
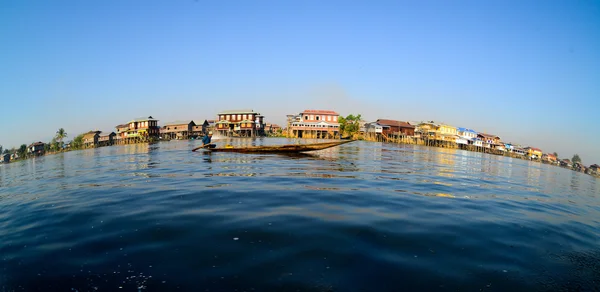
{"type": "Point", "coordinates": [359, 217]}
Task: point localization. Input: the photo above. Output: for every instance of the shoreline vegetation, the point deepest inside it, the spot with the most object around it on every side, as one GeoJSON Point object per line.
{"type": "Point", "coordinates": [350, 128]}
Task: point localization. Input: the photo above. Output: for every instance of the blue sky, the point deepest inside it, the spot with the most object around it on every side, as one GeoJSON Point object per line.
{"type": "Point", "coordinates": [527, 71]}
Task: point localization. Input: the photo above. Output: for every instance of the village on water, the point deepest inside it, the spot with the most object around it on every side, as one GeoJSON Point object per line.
{"type": "Point", "coordinates": [309, 124]}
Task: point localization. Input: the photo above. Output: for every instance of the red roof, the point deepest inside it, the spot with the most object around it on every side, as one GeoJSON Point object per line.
{"type": "Point", "coordinates": [534, 149]}
{"type": "Point", "coordinates": [320, 112]}
{"type": "Point", "coordinates": [394, 123]}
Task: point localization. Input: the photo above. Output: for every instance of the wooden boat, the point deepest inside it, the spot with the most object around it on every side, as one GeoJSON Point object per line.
{"type": "Point", "coordinates": [290, 148]}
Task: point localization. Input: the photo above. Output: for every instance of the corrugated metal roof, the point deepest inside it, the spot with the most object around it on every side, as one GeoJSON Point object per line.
{"type": "Point", "coordinates": [175, 123]}
{"type": "Point", "coordinates": [394, 123]}
{"type": "Point", "coordinates": [460, 129]}
{"type": "Point", "coordinates": [143, 119]}
{"type": "Point", "coordinates": [320, 112]}
{"type": "Point", "coordinates": [243, 111]}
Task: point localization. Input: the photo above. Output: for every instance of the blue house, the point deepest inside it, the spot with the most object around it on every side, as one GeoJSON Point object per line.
{"type": "Point", "coordinates": [467, 136]}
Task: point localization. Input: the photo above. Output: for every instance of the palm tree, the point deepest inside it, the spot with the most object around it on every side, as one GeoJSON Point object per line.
{"type": "Point", "coordinates": [60, 135]}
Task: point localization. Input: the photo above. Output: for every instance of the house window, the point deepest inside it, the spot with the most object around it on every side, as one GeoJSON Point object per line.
{"type": "Point", "coordinates": [228, 117]}
{"type": "Point", "coordinates": [306, 117]}
{"type": "Point", "coordinates": [317, 118]}
{"type": "Point", "coordinates": [335, 118]}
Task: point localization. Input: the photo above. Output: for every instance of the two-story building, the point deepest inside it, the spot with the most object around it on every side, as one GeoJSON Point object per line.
{"type": "Point", "coordinates": [202, 127]}
{"type": "Point", "coordinates": [121, 132]}
{"type": "Point", "coordinates": [314, 124]}
{"type": "Point", "coordinates": [489, 140]}
{"type": "Point", "coordinates": [390, 128]}
{"type": "Point", "coordinates": [106, 139]}
{"type": "Point", "coordinates": [448, 133]}
{"type": "Point", "coordinates": [179, 130]}
{"type": "Point", "coordinates": [534, 153]}
{"type": "Point", "coordinates": [139, 130]}
{"type": "Point", "coordinates": [240, 123]}
{"type": "Point", "coordinates": [465, 136]}
{"type": "Point", "coordinates": [90, 139]}
{"type": "Point", "coordinates": [549, 157]}
{"type": "Point", "coordinates": [428, 130]}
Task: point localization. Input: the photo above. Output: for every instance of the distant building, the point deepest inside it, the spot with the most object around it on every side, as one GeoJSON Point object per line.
{"type": "Point", "coordinates": [179, 130]}
{"type": "Point", "coordinates": [240, 123]}
{"type": "Point", "coordinates": [566, 163]}
{"type": "Point", "coordinates": [90, 139]}
{"type": "Point", "coordinates": [594, 169]}
{"type": "Point", "coordinates": [548, 157]}
{"type": "Point", "coordinates": [6, 157]}
{"type": "Point", "coordinates": [465, 136]}
{"type": "Point", "coordinates": [533, 152]}
{"type": "Point", "coordinates": [36, 148]}
{"type": "Point", "coordinates": [121, 132]}
{"type": "Point", "coordinates": [272, 128]}
{"type": "Point", "coordinates": [428, 129]}
{"type": "Point", "coordinates": [138, 130]}
{"type": "Point", "coordinates": [106, 139]}
{"type": "Point", "coordinates": [390, 127]}
{"type": "Point", "coordinates": [202, 127]}
{"type": "Point", "coordinates": [489, 140]}
{"type": "Point", "coordinates": [320, 124]}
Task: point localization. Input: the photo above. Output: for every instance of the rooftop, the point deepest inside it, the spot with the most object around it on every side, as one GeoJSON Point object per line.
{"type": "Point", "coordinates": [175, 123]}
{"type": "Point", "coordinates": [320, 112]}
{"type": "Point", "coordinates": [142, 119]}
{"type": "Point", "coordinates": [460, 129]}
{"type": "Point", "coordinates": [243, 111]}
{"type": "Point", "coordinates": [394, 123]}
{"type": "Point", "coordinates": [487, 135]}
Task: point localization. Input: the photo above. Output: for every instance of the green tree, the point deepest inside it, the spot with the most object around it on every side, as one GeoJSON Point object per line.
{"type": "Point", "coordinates": [349, 125]}
{"type": "Point", "coordinates": [555, 155]}
{"type": "Point", "coordinates": [54, 145]}
{"type": "Point", "coordinates": [0, 148]}
{"type": "Point", "coordinates": [576, 158]}
{"type": "Point", "coordinates": [22, 151]}
{"type": "Point", "coordinates": [77, 142]}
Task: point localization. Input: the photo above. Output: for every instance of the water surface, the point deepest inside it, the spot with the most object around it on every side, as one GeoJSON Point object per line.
{"type": "Point", "coordinates": [359, 217]}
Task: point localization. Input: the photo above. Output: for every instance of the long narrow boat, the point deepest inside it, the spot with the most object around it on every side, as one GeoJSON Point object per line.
{"type": "Point", "coordinates": [290, 148]}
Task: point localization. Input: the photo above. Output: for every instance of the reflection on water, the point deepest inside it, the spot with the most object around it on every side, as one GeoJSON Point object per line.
{"type": "Point", "coordinates": [358, 217]}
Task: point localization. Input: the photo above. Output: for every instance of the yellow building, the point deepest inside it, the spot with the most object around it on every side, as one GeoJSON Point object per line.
{"type": "Point", "coordinates": [534, 152]}
{"type": "Point", "coordinates": [448, 133]}
{"type": "Point", "coordinates": [429, 129]}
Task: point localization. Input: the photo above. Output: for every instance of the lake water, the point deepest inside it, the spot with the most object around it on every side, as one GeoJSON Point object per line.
{"type": "Point", "coordinates": [359, 217]}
